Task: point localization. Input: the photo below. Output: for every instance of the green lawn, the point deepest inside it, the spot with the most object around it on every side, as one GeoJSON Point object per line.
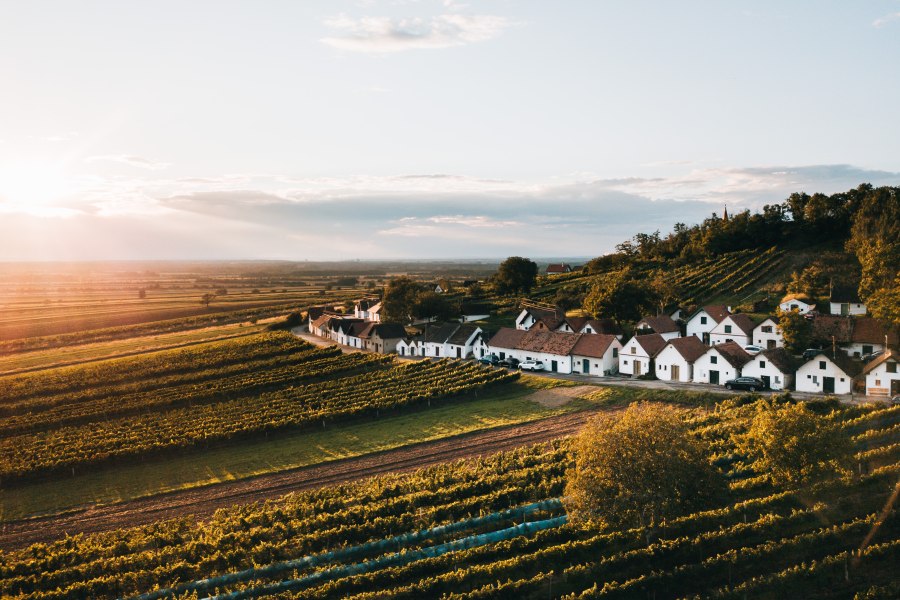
{"type": "Point", "coordinates": [503, 406]}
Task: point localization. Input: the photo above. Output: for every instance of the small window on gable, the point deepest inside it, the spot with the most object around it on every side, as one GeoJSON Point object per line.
{"type": "Point", "coordinates": [633, 350]}
{"type": "Point", "coordinates": [767, 329]}
{"type": "Point", "coordinates": [713, 359]}
{"type": "Point", "coordinates": [762, 364]}
{"type": "Point", "coordinates": [822, 364]}
{"type": "Point", "coordinates": [728, 329]}
{"type": "Point", "coordinates": [891, 367]}
{"type": "Point", "coordinates": [703, 320]}
{"type": "Point", "coordinates": [615, 352]}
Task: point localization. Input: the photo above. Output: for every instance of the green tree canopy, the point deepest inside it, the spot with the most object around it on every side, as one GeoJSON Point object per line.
{"type": "Point", "coordinates": [400, 296]}
{"type": "Point", "coordinates": [796, 329]}
{"type": "Point", "coordinates": [515, 274]}
{"type": "Point", "coordinates": [618, 295]}
{"type": "Point", "coordinates": [638, 469]}
{"type": "Point", "coordinates": [793, 445]}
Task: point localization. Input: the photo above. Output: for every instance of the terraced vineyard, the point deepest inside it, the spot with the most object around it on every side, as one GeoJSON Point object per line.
{"type": "Point", "coordinates": [84, 417]}
{"type": "Point", "coordinates": [493, 527]}
{"type": "Point", "coordinates": [733, 273]}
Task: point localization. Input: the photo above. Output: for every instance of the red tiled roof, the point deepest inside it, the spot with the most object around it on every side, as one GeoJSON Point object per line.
{"type": "Point", "coordinates": [733, 353]}
{"type": "Point", "coordinates": [743, 322]}
{"type": "Point", "coordinates": [507, 337]}
{"type": "Point", "coordinates": [690, 348]}
{"type": "Point", "coordinates": [825, 327]}
{"type": "Point", "coordinates": [783, 360]}
{"type": "Point", "coordinates": [558, 268]}
{"type": "Point", "coordinates": [717, 312]}
{"type": "Point", "coordinates": [660, 324]}
{"type": "Point", "coordinates": [604, 326]}
{"type": "Point", "coordinates": [652, 343]}
{"type": "Point", "coordinates": [594, 346]}
{"type": "Point", "coordinates": [871, 331]}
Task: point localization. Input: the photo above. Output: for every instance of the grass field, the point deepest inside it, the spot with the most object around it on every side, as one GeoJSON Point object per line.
{"type": "Point", "coordinates": [502, 406]}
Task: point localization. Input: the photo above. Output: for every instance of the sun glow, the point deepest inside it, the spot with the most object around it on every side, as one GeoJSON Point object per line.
{"type": "Point", "coordinates": [39, 188]}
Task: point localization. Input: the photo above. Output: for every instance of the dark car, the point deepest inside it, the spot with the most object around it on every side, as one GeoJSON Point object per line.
{"type": "Point", "coordinates": [872, 356]}
{"type": "Point", "coordinates": [745, 383]}
{"type": "Point", "coordinates": [811, 353]}
{"type": "Point", "coordinates": [509, 362]}
{"type": "Point", "coordinates": [489, 359]}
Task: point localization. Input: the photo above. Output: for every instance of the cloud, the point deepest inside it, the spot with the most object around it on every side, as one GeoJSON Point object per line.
{"type": "Point", "coordinates": [383, 34]}
{"type": "Point", "coordinates": [130, 160]}
{"type": "Point", "coordinates": [884, 20]}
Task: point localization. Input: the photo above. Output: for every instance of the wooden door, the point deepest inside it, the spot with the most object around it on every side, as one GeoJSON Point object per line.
{"type": "Point", "coordinates": [676, 372]}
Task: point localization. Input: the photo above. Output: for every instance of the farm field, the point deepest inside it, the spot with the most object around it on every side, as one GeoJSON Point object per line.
{"type": "Point", "coordinates": [494, 527]}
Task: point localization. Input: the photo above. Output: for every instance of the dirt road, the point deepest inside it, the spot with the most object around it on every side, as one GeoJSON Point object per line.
{"type": "Point", "coordinates": [201, 502]}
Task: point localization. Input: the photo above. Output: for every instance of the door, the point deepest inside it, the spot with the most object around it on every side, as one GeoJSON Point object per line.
{"type": "Point", "coordinates": [895, 387]}
{"type": "Point", "coordinates": [770, 344]}
{"type": "Point", "coordinates": [845, 309]}
{"type": "Point", "coordinates": [706, 339]}
{"type": "Point", "coordinates": [458, 352]}
{"type": "Point", "coordinates": [585, 366]}
{"type": "Point", "coordinates": [767, 381]}
{"type": "Point", "coordinates": [553, 366]}
{"type": "Point", "coordinates": [714, 377]}
{"type": "Point", "coordinates": [637, 368]}
{"type": "Point", "coordinates": [676, 371]}
{"type": "Point", "coordinates": [828, 385]}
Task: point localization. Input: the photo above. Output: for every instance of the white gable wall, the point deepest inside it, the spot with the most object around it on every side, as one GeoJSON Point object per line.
{"type": "Point", "coordinates": [700, 323]}
{"type": "Point", "coordinates": [798, 305]}
{"type": "Point", "coordinates": [630, 354]}
{"type": "Point", "coordinates": [761, 366]}
{"type": "Point", "coordinates": [607, 365]}
{"type": "Point", "coordinates": [727, 331]}
{"type": "Point", "coordinates": [811, 376]}
{"type": "Point", "coordinates": [668, 358]}
{"type": "Point", "coordinates": [768, 339]}
{"type": "Point", "coordinates": [880, 381]}
{"type": "Point", "coordinates": [711, 362]}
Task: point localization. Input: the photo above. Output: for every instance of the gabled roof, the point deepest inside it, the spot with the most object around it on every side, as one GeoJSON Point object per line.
{"type": "Point", "coordinates": [660, 324]}
{"type": "Point", "coordinates": [549, 342]}
{"type": "Point", "coordinates": [732, 352]}
{"type": "Point", "coordinates": [314, 312]}
{"type": "Point", "coordinates": [559, 268]}
{"type": "Point", "coordinates": [846, 364]}
{"type": "Point", "coordinates": [462, 334]}
{"type": "Point", "coordinates": [845, 294]}
{"type": "Point", "coordinates": [651, 343]}
{"type": "Point", "coordinates": [365, 303]}
{"type": "Point", "coordinates": [800, 297]}
{"type": "Point", "coordinates": [345, 325]}
{"type": "Point", "coordinates": [783, 360]}
{"type": "Point", "coordinates": [591, 345]}
{"type": "Point", "coordinates": [766, 320]}
{"type": "Point", "coordinates": [438, 333]}
{"type": "Point", "coordinates": [320, 321]}
{"type": "Point", "coordinates": [827, 326]}
{"type": "Point", "coordinates": [716, 311]}
{"type": "Point", "coordinates": [507, 337]}
{"type": "Point", "coordinates": [357, 328]}
{"type": "Point", "coordinates": [871, 331]}
{"type": "Point", "coordinates": [386, 331]}
{"type": "Point", "coordinates": [743, 322]}
{"type": "Point", "coordinates": [690, 348]}
{"type": "Point", "coordinates": [606, 326]}
{"type": "Point", "coordinates": [888, 355]}
{"type": "Point", "coordinates": [576, 323]}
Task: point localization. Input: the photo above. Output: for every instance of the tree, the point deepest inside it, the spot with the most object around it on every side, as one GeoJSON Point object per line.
{"type": "Point", "coordinates": [875, 238]}
{"type": "Point", "coordinates": [206, 298]}
{"type": "Point", "coordinates": [885, 304]}
{"type": "Point", "coordinates": [431, 305]}
{"type": "Point", "coordinates": [810, 281]}
{"type": "Point", "coordinates": [663, 290]}
{"type": "Point", "coordinates": [398, 304]}
{"type": "Point", "coordinates": [515, 274]}
{"type": "Point", "coordinates": [618, 295]}
{"type": "Point", "coordinates": [793, 445]}
{"type": "Point", "coordinates": [796, 330]}
{"type": "Point", "coordinates": [639, 469]}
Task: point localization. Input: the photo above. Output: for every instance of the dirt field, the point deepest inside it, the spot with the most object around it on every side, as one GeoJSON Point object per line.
{"type": "Point", "coordinates": [201, 502]}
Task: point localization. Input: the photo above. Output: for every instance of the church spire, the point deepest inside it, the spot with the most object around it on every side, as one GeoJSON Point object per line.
{"type": "Point", "coordinates": [725, 216]}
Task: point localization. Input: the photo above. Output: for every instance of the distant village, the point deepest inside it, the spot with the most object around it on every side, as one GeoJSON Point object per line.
{"type": "Point", "coordinates": [711, 345]}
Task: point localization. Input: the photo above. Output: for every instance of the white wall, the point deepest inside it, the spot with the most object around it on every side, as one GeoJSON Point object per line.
{"type": "Point", "coordinates": [697, 328]}
{"type": "Point", "coordinates": [627, 358]}
{"type": "Point", "coordinates": [879, 381]}
{"type": "Point", "coordinates": [852, 308]}
{"type": "Point", "coordinates": [810, 376]}
{"type": "Point", "coordinates": [669, 357]}
{"type": "Point", "coordinates": [777, 379]}
{"type": "Point", "coordinates": [704, 365]}
{"type": "Point", "coordinates": [599, 367]}
{"type": "Point", "coordinates": [762, 338]}
{"type": "Point", "coordinates": [856, 348]}
{"type": "Point", "coordinates": [801, 306]}
{"type": "Point", "coordinates": [721, 338]}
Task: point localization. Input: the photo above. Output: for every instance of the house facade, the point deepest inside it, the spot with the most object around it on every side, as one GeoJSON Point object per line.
{"type": "Point", "coordinates": [704, 320]}
{"type": "Point", "coordinates": [767, 335]}
{"type": "Point", "coordinates": [775, 367]}
{"type": "Point", "coordinates": [845, 302]}
{"type": "Point", "coordinates": [382, 337]}
{"type": "Point", "coordinates": [827, 374]}
{"type": "Point", "coordinates": [883, 376]}
{"type": "Point", "coordinates": [736, 328]}
{"type": "Point", "coordinates": [720, 363]}
{"type": "Point", "coordinates": [675, 362]}
{"type": "Point", "coordinates": [664, 325]}
{"type": "Point", "coordinates": [636, 357]}
{"type": "Point", "coordinates": [535, 314]}
{"type": "Point", "coordinates": [596, 354]}
{"type": "Point", "coordinates": [798, 302]}
{"type": "Point", "coordinates": [552, 348]}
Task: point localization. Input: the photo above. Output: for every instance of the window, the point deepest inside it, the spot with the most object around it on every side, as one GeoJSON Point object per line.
{"type": "Point", "coordinates": [877, 383]}
{"type": "Point", "coordinates": [822, 365]}
{"type": "Point", "coordinates": [624, 362]}
{"type": "Point", "coordinates": [815, 379]}
{"type": "Point", "coordinates": [615, 352]}
{"type": "Point", "coordinates": [728, 329]}
{"type": "Point", "coordinates": [777, 379]}
{"type": "Point", "coordinates": [713, 359]}
{"type": "Point", "coordinates": [891, 367]}
{"type": "Point", "coordinates": [634, 350]}
{"type": "Point", "coordinates": [762, 364]}
{"type": "Point", "coordinates": [767, 329]}
{"type": "Point", "coordinates": [703, 320]}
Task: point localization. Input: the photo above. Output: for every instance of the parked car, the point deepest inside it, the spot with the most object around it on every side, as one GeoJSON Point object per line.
{"type": "Point", "coordinates": [752, 349]}
{"type": "Point", "coordinates": [745, 383]}
{"type": "Point", "coordinates": [872, 356]}
{"type": "Point", "coordinates": [811, 353]}
{"type": "Point", "coordinates": [509, 362]}
{"type": "Point", "coordinates": [531, 365]}
{"type": "Point", "coordinates": [489, 359]}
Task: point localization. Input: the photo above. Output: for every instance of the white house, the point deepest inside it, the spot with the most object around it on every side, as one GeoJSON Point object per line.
{"type": "Point", "coordinates": [367, 309]}
{"type": "Point", "coordinates": [775, 367]}
{"type": "Point", "coordinates": [596, 354]}
{"type": "Point", "coordinates": [846, 302]}
{"type": "Point", "coordinates": [702, 322]}
{"type": "Point", "coordinates": [827, 374]}
{"type": "Point", "coordinates": [883, 376]}
{"type": "Point", "coordinates": [799, 302]}
{"type": "Point", "coordinates": [439, 340]}
{"type": "Point", "coordinates": [768, 335]}
{"type": "Point", "coordinates": [720, 363]}
{"type": "Point", "coordinates": [733, 328]}
{"type": "Point", "coordinates": [382, 337]}
{"type": "Point", "coordinates": [534, 314]}
{"type": "Point", "coordinates": [636, 357]}
{"type": "Point", "coordinates": [664, 325]}
{"type": "Point", "coordinates": [868, 335]}
{"type": "Point", "coordinates": [461, 342]}
{"type": "Point", "coordinates": [675, 362]}
{"type": "Point", "coordinates": [552, 348]}
{"type": "Point", "coordinates": [602, 326]}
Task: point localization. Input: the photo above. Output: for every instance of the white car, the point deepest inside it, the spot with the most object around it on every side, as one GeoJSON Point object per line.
{"type": "Point", "coordinates": [531, 365]}
{"type": "Point", "coordinates": [753, 350]}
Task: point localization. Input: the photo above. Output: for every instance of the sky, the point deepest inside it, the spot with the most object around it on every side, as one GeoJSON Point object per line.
{"type": "Point", "coordinates": [334, 130]}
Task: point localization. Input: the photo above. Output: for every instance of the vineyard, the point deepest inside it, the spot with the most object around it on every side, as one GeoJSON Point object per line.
{"type": "Point", "coordinates": [730, 274]}
{"type": "Point", "coordinates": [493, 527]}
{"type": "Point", "coordinates": [192, 398]}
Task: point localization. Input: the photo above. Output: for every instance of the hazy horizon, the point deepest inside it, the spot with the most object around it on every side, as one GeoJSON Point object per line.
{"type": "Point", "coordinates": [395, 130]}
